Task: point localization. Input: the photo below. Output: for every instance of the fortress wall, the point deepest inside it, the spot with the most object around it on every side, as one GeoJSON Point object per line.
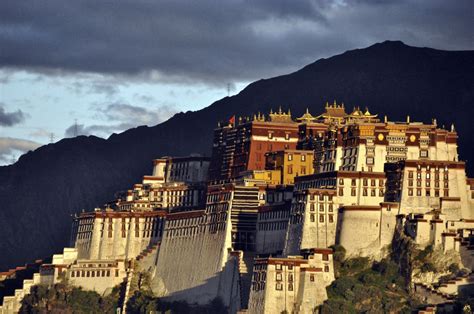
{"type": "Point", "coordinates": [270, 241]}
{"type": "Point", "coordinates": [271, 229]}
{"type": "Point", "coordinates": [294, 232]}
{"type": "Point", "coordinates": [117, 235]}
{"type": "Point", "coordinates": [194, 263]}
{"type": "Point", "coordinates": [364, 231]}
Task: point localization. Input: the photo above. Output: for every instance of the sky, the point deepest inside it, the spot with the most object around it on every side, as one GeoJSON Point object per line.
{"type": "Point", "coordinates": [97, 67]}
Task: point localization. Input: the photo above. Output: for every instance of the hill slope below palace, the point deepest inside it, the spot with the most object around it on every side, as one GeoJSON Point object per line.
{"type": "Point", "coordinates": [39, 193]}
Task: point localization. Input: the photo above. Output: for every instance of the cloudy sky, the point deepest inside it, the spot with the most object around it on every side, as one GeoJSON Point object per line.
{"type": "Point", "coordinates": [98, 67]}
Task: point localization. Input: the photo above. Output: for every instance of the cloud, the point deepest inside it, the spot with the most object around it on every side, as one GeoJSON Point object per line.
{"type": "Point", "coordinates": [120, 117]}
{"type": "Point", "coordinates": [10, 147]}
{"type": "Point", "coordinates": [41, 133]}
{"type": "Point", "coordinates": [10, 118]}
{"type": "Point", "coordinates": [214, 42]}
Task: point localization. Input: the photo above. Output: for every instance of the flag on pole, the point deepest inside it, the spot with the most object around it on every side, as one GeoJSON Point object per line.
{"type": "Point", "coordinates": [232, 120]}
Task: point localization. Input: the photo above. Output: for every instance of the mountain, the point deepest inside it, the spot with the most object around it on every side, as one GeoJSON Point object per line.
{"type": "Point", "coordinates": [39, 193]}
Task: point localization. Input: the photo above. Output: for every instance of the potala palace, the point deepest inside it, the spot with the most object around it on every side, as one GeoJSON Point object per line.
{"type": "Point", "coordinates": [255, 224]}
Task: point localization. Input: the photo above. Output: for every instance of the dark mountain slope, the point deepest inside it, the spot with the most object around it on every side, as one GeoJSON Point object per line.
{"type": "Point", "coordinates": [39, 192]}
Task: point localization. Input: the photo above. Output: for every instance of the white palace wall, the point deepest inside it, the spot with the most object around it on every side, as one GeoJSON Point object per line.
{"type": "Point", "coordinates": [367, 230]}
{"type": "Point", "coordinates": [194, 263]}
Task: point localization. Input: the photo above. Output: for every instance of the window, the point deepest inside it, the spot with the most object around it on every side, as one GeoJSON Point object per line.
{"type": "Point", "coordinates": [330, 207]}
{"type": "Point", "coordinates": [311, 277]}
{"type": "Point", "coordinates": [418, 192]}
{"type": "Point", "coordinates": [290, 277]}
{"type": "Point", "coordinates": [290, 169]}
{"type": "Point", "coordinates": [303, 170]}
{"type": "Point", "coordinates": [290, 157]}
{"type": "Point", "coordinates": [270, 135]}
{"type": "Point", "coordinates": [381, 183]}
{"type": "Point", "coordinates": [381, 192]}
{"type": "Point", "coordinates": [410, 174]}
{"type": "Point", "coordinates": [290, 287]}
{"type": "Point", "coordinates": [364, 192]}
{"type": "Point", "coordinates": [353, 182]}
{"type": "Point", "coordinates": [370, 160]}
{"type": "Point", "coordinates": [311, 207]}
{"type": "Point", "coordinates": [279, 286]}
{"type": "Point", "coordinates": [410, 182]}
{"type": "Point", "coordinates": [372, 192]}
{"type": "Point", "coordinates": [325, 257]}
{"type": "Point", "coordinates": [341, 191]}
{"type": "Point", "coordinates": [427, 192]}
{"type": "Point", "coordinates": [303, 157]}
{"type": "Point", "coordinates": [278, 266]}
{"type": "Point", "coordinates": [321, 197]}
{"type": "Point", "coordinates": [372, 182]}
{"type": "Point", "coordinates": [423, 153]}
{"type": "Point", "coordinates": [311, 217]}
{"type": "Point", "coordinates": [321, 218]}
{"type": "Point", "coordinates": [341, 181]}
{"type": "Point", "coordinates": [326, 268]}
{"type": "Point", "coordinates": [353, 192]}
{"type": "Point", "coordinates": [365, 182]}
{"type": "Point", "coordinates": [287, 136]}
{"type": "Point", "coordinates": [331, 218]}
{"type": "Point", "coordinates": [321, 207]}
{"type": "Point", "coordinates": [290, 267]}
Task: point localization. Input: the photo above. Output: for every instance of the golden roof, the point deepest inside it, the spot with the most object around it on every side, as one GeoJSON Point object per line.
{"type": "Point", "coordinates": [306, 117]}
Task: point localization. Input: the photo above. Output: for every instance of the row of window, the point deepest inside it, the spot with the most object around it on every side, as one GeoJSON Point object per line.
{"type": "Point", "coordinates": [428, 192]}
{"type": "Point", "coordinates": [275, 214]}
{"type": "Point", "coordinates": [93, 273]}
{"type": "Point", "coordinates": [428, 174]}
{"type": "Point", "coordinates": [270, 226]}
{"type": "Point", "coordinates": [365, 182]}
{"type": "Point", "coordinates": [365, 192]}
{"type": "Point", "coordinates": [312, 218]}
{"type": "Point", "coordinates": [321, 207]}
{"type": "Point", "coordinates": [428, 183]}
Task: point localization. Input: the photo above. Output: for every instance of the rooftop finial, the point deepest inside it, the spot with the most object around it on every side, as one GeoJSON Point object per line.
{"type": "Point", "coordinates": [408, 119]}
{"type": "Point", "coordinates": [452, 127]}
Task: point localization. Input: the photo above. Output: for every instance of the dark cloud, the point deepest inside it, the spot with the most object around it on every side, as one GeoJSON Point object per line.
{"type": "Point", "coordinates": [10, 118]}
{"type": "Point", "coordinates": [120, 117]}
{"type": "Point", "coordinates": [11, 146]}
{"type": "Point", "coordinates": [214, 41]}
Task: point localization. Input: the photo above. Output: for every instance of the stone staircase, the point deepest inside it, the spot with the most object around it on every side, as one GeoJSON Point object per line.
{"type": "Point", "coordinates": [133, 279]}
{"type": "Point", "coordinates": [431, 295]}
{"type": "Point", "coordinates": [246, 260]}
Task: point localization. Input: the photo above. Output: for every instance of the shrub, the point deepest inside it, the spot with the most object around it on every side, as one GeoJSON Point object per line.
{"type": "Point", "coordinates": [427, 267]}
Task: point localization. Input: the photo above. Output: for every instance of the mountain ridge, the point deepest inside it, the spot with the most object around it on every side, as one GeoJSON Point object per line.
{"type": "Point", "coordinates": [40, 192]}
